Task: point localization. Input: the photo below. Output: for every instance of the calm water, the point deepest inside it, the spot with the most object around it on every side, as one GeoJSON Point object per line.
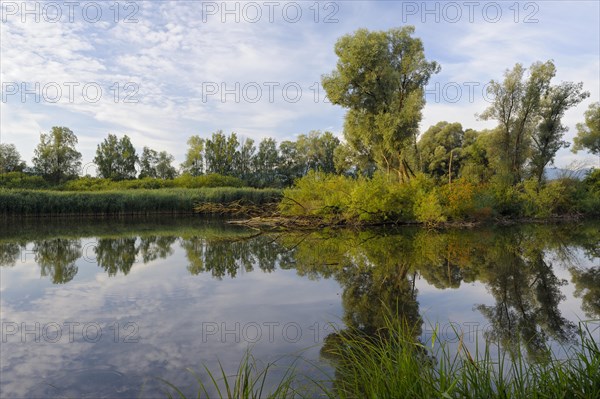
{"type": "Point", "coordinates": [105, 308]}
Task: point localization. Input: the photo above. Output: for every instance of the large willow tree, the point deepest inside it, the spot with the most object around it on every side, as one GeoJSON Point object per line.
{"type": "Point", "coordinates": [380, 77]}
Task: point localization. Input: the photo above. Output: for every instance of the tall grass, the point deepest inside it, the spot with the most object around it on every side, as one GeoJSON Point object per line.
{"type": "Point", "coordinates": [249, 382]}
{"type": "Point", "coordinates": [396, 365]}
{"type": "Point", "coordinates": [175, 200]}
{"type": "Point", "coordinates": [393, 364]}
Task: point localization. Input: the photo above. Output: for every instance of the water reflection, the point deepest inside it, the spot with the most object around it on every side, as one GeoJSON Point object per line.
{"type": "Point", "coordinates": [228, 256]}
{"type": "Point", "coordinates": [10, 252]}
{"type": "Point", "coordinates": [524, 270]}
{"type": "Point", "coordinates": [56, 258]}
{"type": "Point", "coordinates": [587, 287]}
{"type": "Point", "coordinates": [377, 269]}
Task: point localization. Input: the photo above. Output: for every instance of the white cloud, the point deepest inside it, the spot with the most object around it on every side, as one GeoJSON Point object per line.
{"type": "Point", "coordinates": [171, 53]}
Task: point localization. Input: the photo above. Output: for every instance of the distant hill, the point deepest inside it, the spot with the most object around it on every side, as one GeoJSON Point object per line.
{"type": "Point", "coordinates": [557, 173]}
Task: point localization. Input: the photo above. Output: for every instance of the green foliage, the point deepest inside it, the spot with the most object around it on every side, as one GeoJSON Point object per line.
{"type": "Point", "coordinates": [318, 194]}
{"type": "Point", "coordinates": [265, 164]}
{"type": "Point", "coordinates": [210, 180]}
{"type": "Point", "coordinates": [382, 199]}
{"type": "Point", "coordinates": [428, 209]}
{"type": "Point", "coordinates": [393, 362]}
{"type": "Point", "coordinates": [194, 157]}
{"type": "Point", "coordinates": [183, 181]}
{"type": "Point", "coordinates": [529, 111]}
{"type": "Point", "coordinates": [590, 202]}
{"type": "Point", "coordinates": [248, 382]}
{"type": "Point", "coordinates": [548, 134]}
{"type": "Point", "coordinates": [316, 151]}
{"type": "Point", "coordinates": [378, 200]}
{"type": "Point", "coordinates": [123, 202]}
{"type": "Point", "coordinates": [56, 158]}
{"type": "Point", "coordinates": [22, 180]}
{"type": "Point", "coordinates": [156, 164]}
{"type": "Point", "coordinates": [380, 78]}
{"type": "Point", "coordinates": [460, 200]}
{"type": "Point", "coordinates": [588, 133]}
{"type": "Point", "coordinates": [116, 158]}
{"type": "Point", "coordinates": [220, 153]}
{"type": "Point", "coordinates": [541, 200]}
{"type": "Point", "coordinates": [438, 146]}
{"type": "Point", "coordinates": [10, 159]}
{"type": "Point", "coordinates": [475, 159]}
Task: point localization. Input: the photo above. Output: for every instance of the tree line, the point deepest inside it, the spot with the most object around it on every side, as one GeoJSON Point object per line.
{"type": "Point", "coordinates": [267, 164]}
{"type": "Point", "coordinates": [380, 79]}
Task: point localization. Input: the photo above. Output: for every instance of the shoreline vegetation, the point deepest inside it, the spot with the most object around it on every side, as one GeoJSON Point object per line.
{"type": "Point", "coordinates": [384, 170]}
{"type": "Point", "coordinates": [181, 201]}
{"type": "Point", "coordinates": [320, 200]}
{"type": "Point", "coordinates": [392, 362]}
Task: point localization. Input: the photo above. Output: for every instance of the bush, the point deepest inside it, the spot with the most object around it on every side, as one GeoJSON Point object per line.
{"type": "Point", "coordinates": [459, 199]}
{"type": "Point", "coordinates": [428, 209]}
{"type": "Point", "coordinates": [318, 194]}
{"type": "Point", "coordinates": [210, 180]}
{"type": "Point", "coordinates": [379, 200]}
{"type": "Point", "coordinates": [21, 180]}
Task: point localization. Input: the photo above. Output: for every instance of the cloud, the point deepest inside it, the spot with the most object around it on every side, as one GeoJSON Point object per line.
{"type": "Point", "coordinates": [173, 50]}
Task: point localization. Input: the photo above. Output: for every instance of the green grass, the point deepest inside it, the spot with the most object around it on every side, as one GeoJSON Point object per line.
{"type": "Point", "coordinates": [398, 365]}
{"type": "Point", "coordinates": [124, 202]}
{"type": "Point", "coordinates": [249, 382]}
{"type": "Point", "coordinates": [395, 365]}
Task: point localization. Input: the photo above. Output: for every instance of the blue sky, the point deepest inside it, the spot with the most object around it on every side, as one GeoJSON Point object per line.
{"type": "Point", "coordinates": [161, 71]}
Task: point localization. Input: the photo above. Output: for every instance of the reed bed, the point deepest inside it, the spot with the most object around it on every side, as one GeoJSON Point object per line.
{"type": "Point", "coordinates": [125, 202]}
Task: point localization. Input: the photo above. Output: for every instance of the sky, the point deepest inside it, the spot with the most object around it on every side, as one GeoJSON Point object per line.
{"type": "Point", "coordinates": [162, 71]}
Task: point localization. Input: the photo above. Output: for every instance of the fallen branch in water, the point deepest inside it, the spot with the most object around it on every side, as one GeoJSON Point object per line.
{"type": "Point", "coordinates": [236, 208]}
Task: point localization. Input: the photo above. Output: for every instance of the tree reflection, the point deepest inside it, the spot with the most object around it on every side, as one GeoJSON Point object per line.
{"type": "Point", "coordinates": [377, 273]}
{"type": "Point", "coordinates": [57, 257]}
{"type": "Point", "coordinates": [156, 247]}
{"type": "Point", "coordinates": [527, 294]}
{"type": "Point", "coordinates": [10, 253]}
{"type": "Point", "coordinates": [116, 254]}
{"type": "Point", "coordinates": [587, 287]}
{"type": "Point", "coordinates": [227, 257]}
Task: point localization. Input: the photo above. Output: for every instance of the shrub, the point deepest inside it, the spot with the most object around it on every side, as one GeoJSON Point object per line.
{"type": "Point", "coordinates": [378, 200]}
{"type": "Point", "coordinates": [318, 194]}
{"type": "Point", "coordinates": [428, 209]}
{"type": "Point", "coordinates": [21, 180]}
{"type": "Point", "coordinates": [459, 199]}
{"type": "Point", "coordinates": [210, 180]}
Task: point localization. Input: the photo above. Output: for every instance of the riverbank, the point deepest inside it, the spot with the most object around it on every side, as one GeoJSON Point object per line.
{"type": "Point", "coordinates": [48, 203]}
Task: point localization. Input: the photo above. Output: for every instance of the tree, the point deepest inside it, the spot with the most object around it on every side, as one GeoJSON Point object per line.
{"type": "Point", "coordinates": [156, 164]}
{"type": "Point", "coordinates": [55, 157]}
{"type": "Point", "coordinates": [244, 160]}
{"type": "Point", "coordinates": [10, 159]}
{"type": "Point", "coordinates": [266, 162]}
{"type": "Point", "coordinates": [440, 149]}
{"type": "Point", "coordinates": [475, 156]}
{"type": "Point", "coordinates": [194, 159]}
{"type": "Point", "coordinates": [290, 163]}
{"type": "Point", "coordinates": [516, 108]}
{"type": "Point", "coordinates": [220, 153]}
{"type": "Point", "coordinates": [318, 149]}
{"type": "Point", "coordinates": [116, 158]}
{"type": "Point", "coordinates": [353, 161]}
{"type": "Point", "coordinates": [588, 133]}
{"type": "Point", "coordinates": [548, 135]}
{"type": "Point", "coordinates": [380, 79]}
